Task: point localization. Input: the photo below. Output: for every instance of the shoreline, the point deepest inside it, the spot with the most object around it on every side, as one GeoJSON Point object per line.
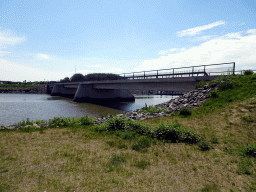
{"type": "Point", "coordinates": [191, 100]}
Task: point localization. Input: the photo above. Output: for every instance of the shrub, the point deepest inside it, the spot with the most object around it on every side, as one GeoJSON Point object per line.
{"type": "Point", "coordinates": [116, 124]}
{"type": "Point", "coordinates": [248, 72]}
{"type": "Point", "coordinates": [86, 121]}
{"type": "Point", "coordinates": [185, 111]}
{"type": "Point", "coordinates": [168, 132]}
{"type": "Point", "coordinates": [213, 94]}
{"type": "Point", "coordinates": [139, 128]}
{"type": "Point", "coordinates": [224, 85]}
{"type": "Point", "coordinates": [189, 136]}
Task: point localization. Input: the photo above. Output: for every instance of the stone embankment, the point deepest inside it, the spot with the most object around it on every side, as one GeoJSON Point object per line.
{"type": "Point", "coordinates": [192, 100]}
{"type": "Point", "coordinates": [39, 89]}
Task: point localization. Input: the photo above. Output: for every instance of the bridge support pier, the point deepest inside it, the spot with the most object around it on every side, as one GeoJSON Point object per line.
{"type": "Point", "coordinates": [56, 90]}
{"type": "Point", "coordinates": [86, 93]}
{"type": "Point", "coordinates": [61, 90]}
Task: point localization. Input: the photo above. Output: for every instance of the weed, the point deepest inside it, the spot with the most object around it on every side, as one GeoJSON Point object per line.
{"type": "Point", "coordinates": [213, 94]}
{"type": "Point", "coordinates": [185, 111]}
{"type": "Point", "coordinates": [200, 84]}
{"type": "Point", "coordinates": [229, 150]}
{"type": "Point", "coordinates": [244, 166]}
{"type": "Point", "coordinates": [142, 143]}
{"type": "Point", "coordinates": [210, 187]}
{"type": "Point", "coordinates": [214, 139]}
{"type": "Point", "coordinates": [117, 159]}
{"type": "Point", "coordinates": [142, 164]}
{"type": "Point", "coordinates": [204, 145]}
{"type": "Point", "coordinates": [152, 109]}
{"type": "Point", "coordinates": [249, 150]}
{"type": "Point", "coordinates": [247, 119]}
{"type": "Point", "coordinates": [86, 121]}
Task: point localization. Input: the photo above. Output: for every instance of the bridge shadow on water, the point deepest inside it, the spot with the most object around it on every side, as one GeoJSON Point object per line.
{"type": "Point", "coordinates": [122, 106]}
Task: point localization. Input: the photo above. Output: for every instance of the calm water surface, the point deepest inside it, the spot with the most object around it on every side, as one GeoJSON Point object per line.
{"type": "Point", "coordinates": [18, 107]}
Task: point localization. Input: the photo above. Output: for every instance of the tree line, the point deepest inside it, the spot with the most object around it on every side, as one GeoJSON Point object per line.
{"type": "Point", "coordinates": [92, 77]}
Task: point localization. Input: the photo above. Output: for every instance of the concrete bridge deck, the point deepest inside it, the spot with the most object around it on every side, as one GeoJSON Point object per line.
{"type": "Point", "coordinates": [117, 90]}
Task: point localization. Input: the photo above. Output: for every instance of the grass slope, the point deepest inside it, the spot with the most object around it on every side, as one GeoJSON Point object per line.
{"type": "Point", "coordinates": [124, 155]}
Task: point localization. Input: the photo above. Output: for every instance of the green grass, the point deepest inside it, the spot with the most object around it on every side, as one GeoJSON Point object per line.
{"type": "Point", "coordinates": [213, 149]}
{"type": "Point", "coordinates": [235, 88]}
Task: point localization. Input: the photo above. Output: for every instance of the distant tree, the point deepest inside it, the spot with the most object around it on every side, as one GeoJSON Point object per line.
{"type": "Point", "coordinates": [77, 77]}
{"type": "Point", "coordinates": [102, 76]}
{"type": "Point", "coordinates": [66, 79]}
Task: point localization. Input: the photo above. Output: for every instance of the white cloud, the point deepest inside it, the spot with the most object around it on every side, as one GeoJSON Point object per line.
{"type": "Point", "coordinates": [237, 35]}
{"type": "Point", "coordinates": [8, 38]}
{"type": "Point", "coordinates": [251, 31]}
{"type": "Point", "coordinates": [42, 56]}
{"type": "Point", "coordinates": [166, 52]}
{"type": "Point", "coordinates": [222, 50]}
{"type": "Point", "coordinates": [203, 38]}
{"type": "Point", "coordinates": [197, 30]}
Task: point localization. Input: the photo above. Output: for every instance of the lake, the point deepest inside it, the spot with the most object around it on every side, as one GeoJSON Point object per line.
{"type": "Point", "coordinates": [18, 107]}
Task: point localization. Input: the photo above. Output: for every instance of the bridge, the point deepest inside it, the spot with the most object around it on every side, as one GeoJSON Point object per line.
{"type": "Point", "coordinates": [178, 80]}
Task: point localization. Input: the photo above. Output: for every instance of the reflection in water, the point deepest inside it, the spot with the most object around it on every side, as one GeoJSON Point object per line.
{"type": "Point", "coordinates": [18, 107]}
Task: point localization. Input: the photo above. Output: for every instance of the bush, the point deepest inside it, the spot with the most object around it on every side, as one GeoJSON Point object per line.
{"type": "Point", "coordinates": [213, 94]}
{"type": "Point", "coordinates": [189, 136]}
{"type": "Point", "coordinates": [139, 128]}
{"type": "Point", "coordinates": [116, 124]}
{"type": "Point", "coordinates": [185, 111]}
{"type": "Point", "coordinates": [224, 85]}
{"type": "Point", "coordinates": [168, 132]}
{"type": "Point", "coordinates": [248, 72]}
{"type": "Point", "coordinates": [86, 121]}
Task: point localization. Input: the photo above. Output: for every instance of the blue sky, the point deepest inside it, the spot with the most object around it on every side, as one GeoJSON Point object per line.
{"type": "Point", "coordinates": [44, 40]}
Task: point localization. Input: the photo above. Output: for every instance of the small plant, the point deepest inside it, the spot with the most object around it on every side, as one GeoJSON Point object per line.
{"type": "Point", "coordinates": [200, 84]}
{"type": "Point", "coordinates": [248, 72]}
{"type": "Point", "coordinates": [249, 150]}
{"type": "Point", "coordinates": [185, 111]}
{"type": "Point", "coordinates": [117, 159]}
{"type": "Point", "coordinates": [247, 119]}
{"type": "Point", "coordinates": [213, 94]}
{"type": "Point", "coordinates": [210, 187]}
{"type": "Point", "coordinates": [116, 124]}
{"type": "Point", "coordinates": [214, 139]}
{"type": "Point", "coordinates": [224, 85]}
{"type": "Point", "coordinates": [142, 143]}
{"type": "Point", "coordinates": [86, 121]}
{"type": "Point", "coordinates": [142, 164]}
{"type": "Point", "coordinates": [204, 145]}
{"type": "Point", "coordinates": [151, 109]}
{"type": "Point", "coordinates": [244, 166]}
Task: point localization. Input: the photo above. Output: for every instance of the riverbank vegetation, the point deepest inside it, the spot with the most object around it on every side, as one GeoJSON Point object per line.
{"type": "Point", "coordinates": [211, 148]}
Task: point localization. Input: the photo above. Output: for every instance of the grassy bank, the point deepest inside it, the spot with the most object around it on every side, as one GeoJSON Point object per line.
{"type": "Point", "coordinates": [213, 149]}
